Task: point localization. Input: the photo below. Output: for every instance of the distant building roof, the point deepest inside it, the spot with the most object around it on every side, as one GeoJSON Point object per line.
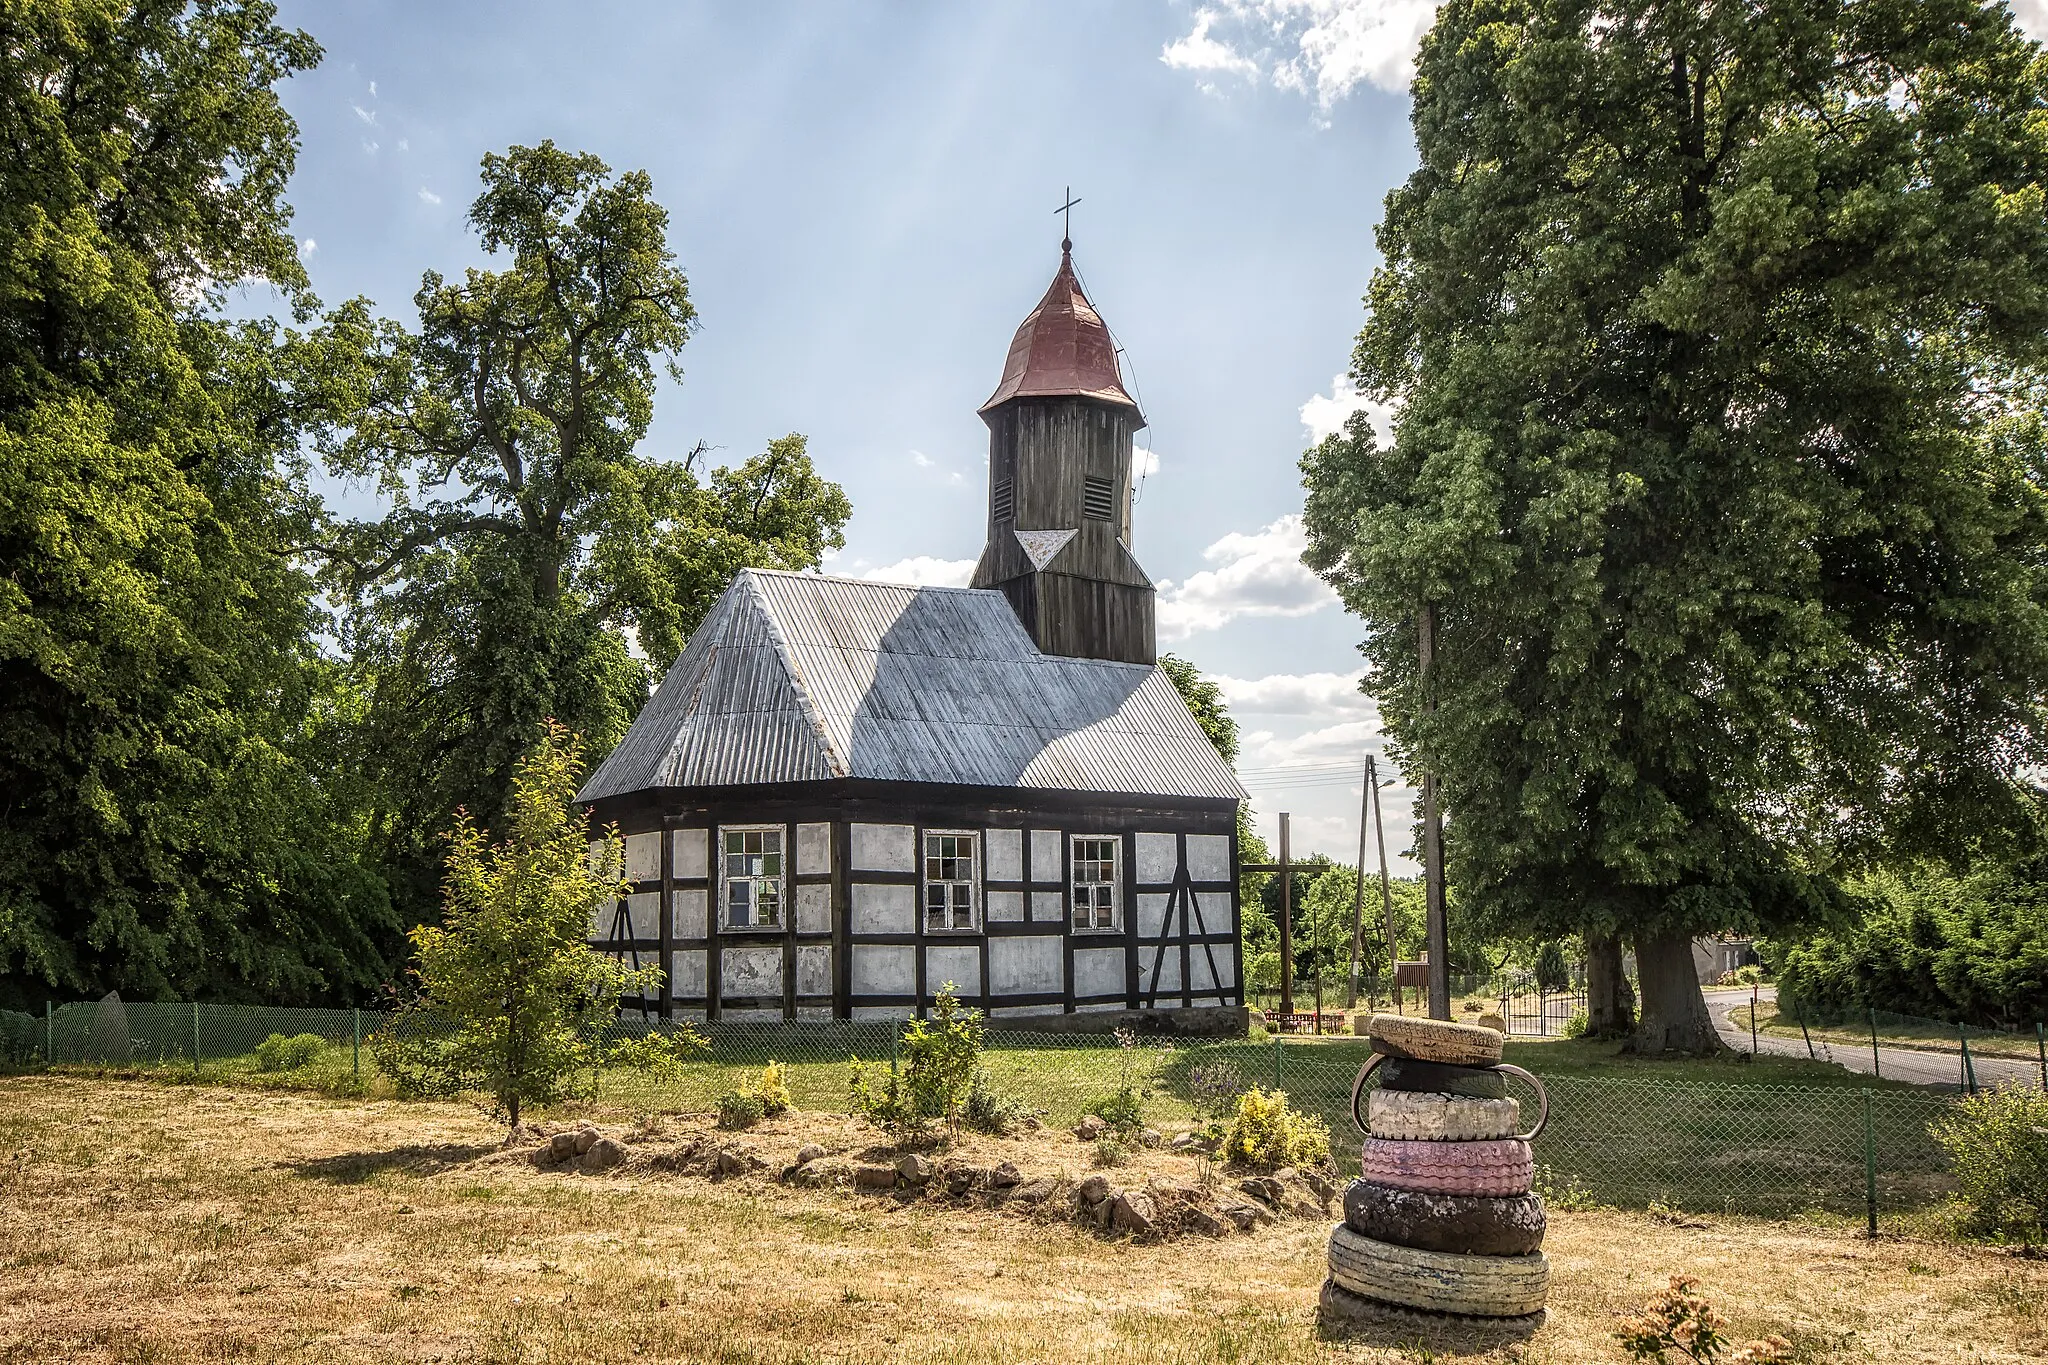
{"type": "Point", "coordinates": [804, 678]}
{"type": "Point", "coordinates": [1062, 350]}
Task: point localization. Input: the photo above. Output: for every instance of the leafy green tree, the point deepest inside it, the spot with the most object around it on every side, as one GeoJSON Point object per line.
{"type": "Point", "coordinates": [510, 966]}
{"type": "Point", "coordinates": [1716, 332]}
{"type": "Point", "coordinates": [530, 542]}
{"type": "Point", "coordinates": [170, 825]}
{"type": "Point", "coordinates": [1205, 702]}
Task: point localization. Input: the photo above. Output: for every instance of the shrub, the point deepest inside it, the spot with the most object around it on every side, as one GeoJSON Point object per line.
{"type": "Point", "coordinates": [1267, 1132]}
{"type": "Point", "coordinates": [988, 1112]}
{"type": "Point", "coordinates": [740, 1109]}
{"type": "Point", "coordinates": [1213, 1088]}
{"type": "Point", "coordinates": [1578, 1026]}
{"type": "Point", "coordinates": [1997, 1143]}
{"type": "Point", "coordinates": [659, 1055]}
{"type": "Point", "coordinates": [279, 1053]}
{"type": "Point", "coordinates": [1679, 1319]}
{"type": "Point", "coordinates": [1123, 1111]}
{"type": "Point", "coordinates": [773, 1088]}
{"type": "Point", "coordinates": [940, 1058]}
{"type": "Point", "coordinates": [1110, 1152]}
{"type": "Point", "coordinates": [1553, 973]}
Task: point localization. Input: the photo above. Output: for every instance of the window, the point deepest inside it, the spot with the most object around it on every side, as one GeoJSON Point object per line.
{"type": "Point", "coordinates": [1095, 497]}
{"type": "Point", "coordinates": [753, 878]}
{"type": "Point", "coordinates": [1095, 881]}
{"type": "Point", "coordinates": [949, 879]}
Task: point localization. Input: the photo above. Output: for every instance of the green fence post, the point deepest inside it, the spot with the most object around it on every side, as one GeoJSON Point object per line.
{"type": "Point", "coordinates": [2041, 1046]}
{"type": "Point", "coordinates": [1876, 1066]}
{"type": "Point", "coordinates": [1869, 1165]}
{"type": "Point", "coordinates": [895, 1036]}
{"type": "Point", "coordinates": [357, 1057]}
{"type": "Point", "coordinates": [1800, 1011]}
{"type": "Point", "coordinates": [1969, 1067]}
{"type": "Point", "coordinates": [1276, 1063]}
{"type": "Point", "coordinates": [195, 1037]}
{"type": "Point", "coordinates": [49, 1032]}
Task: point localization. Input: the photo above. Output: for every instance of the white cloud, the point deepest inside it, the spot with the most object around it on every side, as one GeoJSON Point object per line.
{"type": "Point", "coordinates": [1322, 47]}
{"type": "Point", "coordinates": [404, 145]}
{"type": "Point", "coordinates": [1144, 463]}
{"type": "Point", "coordinates": [1325, 414]}
{"type": "Point", "coordinates": [1296, 694]}
{"type": "Point", "coordinates": [925, 571]}
{"type": "Point", "coordinates": [920, 459]}
{"type": "Point", "coordinates": [368, 116]}
{"type": "Point", "coordinates": [373, 89]}
{"type": "Point", "coordinates": [1260, 574]}
{"type": "Point", "coordinates": [307, 248]}
{"type": "Point", "coordinates": [1200, 52]}
{"type": "Point", "coordinates": [369, 147]}
{"type": "Point", "coordinates": [427, 196]}
{"type": "Point", "coordinates": [2032, 16]}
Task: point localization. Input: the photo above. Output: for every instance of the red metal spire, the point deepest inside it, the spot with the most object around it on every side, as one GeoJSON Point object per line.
{"type": "Point", "coordinates": [1062, 350]}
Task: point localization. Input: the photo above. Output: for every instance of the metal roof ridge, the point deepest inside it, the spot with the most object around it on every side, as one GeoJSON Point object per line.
{"type": "Point", "coordinates": [814, 714]}
{"type": "Point", "coordinates": [808, 576]}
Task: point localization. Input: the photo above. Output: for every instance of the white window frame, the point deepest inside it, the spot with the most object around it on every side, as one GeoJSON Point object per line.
{"type": "Point", "coordinates": [925, 882]}
{"type": "Point", "coordinates": [1115, 883]}
{"type": "Point", "coordinates": [781, 879]}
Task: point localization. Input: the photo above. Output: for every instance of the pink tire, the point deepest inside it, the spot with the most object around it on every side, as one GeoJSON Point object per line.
{"type": "Point", "coordinates": [1496, 1167]}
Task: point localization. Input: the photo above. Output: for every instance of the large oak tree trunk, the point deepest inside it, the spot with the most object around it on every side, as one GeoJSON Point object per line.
{"type": "Point", "coordinates": [1610, 1012]}
{"type": "Point", "coordinates": [1674, 1012]}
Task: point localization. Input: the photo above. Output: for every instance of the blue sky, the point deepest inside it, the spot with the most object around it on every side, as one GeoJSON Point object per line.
{"type": "Point", "coordinates": [863, 198]}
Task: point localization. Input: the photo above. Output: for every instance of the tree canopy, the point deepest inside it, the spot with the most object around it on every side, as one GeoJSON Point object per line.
{"type": "Point", "coordinates": [536, 562]}
{"type": "Point", "coordinates": [1717, 334]}
{"type": "Point", "coordinates": [168, 721]}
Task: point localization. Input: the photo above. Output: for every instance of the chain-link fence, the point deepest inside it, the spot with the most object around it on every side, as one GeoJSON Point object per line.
{"type": "Point", "coordinates": [1760, 1149]}
{"type": "Point", "coordinates": [1902, 1044]}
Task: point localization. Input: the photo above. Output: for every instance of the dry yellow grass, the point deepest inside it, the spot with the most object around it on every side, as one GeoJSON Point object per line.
{"type": "Point", "coordinates": [142, 1222]}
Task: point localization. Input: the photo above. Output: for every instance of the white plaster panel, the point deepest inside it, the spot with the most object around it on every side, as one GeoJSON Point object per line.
{"type": "Point", "coordinates": [884, 909]}
{"type": "Point", "coordinates": [813, 908]}
{"type": "Point", "coordinates": [1025, 966]}
{"type": "Point", "coordinates": [1199, 975]}
{"type": "Point", "coordinates": [686, 973]}
{"type": "Point", "coordinates": [817, 1012]}
{"type": "Point", "coordinates": [1226, 969]}
{"type": "Point", "coordinates": [750, 971]}
{"type": "Point", "coordinates": [1022, 1011]}
{"type": "Point", "coordinates": [695, 1014]}
{"type": "Point", "coordinates": [884, 848]}
{"type": "Point", "coordinates": [752, 1016]}
{"type": "Point", "coordinates": [690, 855]}
{"type": "Point", "coordinates": [959, 963]}
{"type": "Point", "coordinates": [1046, 863]}
{"type": "Point", "coordinates": [1158, 857]}
{"type": "Point", "coordinates": [1210, 913]}
{"type": "Point", "coordinates": [879, 970]}
{"type": "Point", "coordinates": [875, 1013]}
{"type": "Point", "coordinates": [1152, 914]}
{"type": "Point", "coordinates": [1048, 907]}
{"type": "Point", "coordinates": [687, 913]}
{"type": "Point", "coordinates": [1005, 854]}
{"type": "Point", "coordinates": [813, 849]}
{"type": "Point", "coordinates": [593, 852]}
{"type": "Point", "coordinates": [1004, 907]}
{"type": "Point", "coordinates": [1099, 971]}
{"type": "Point", "coordinates": [643, 857]}
{"type": "Point", "coordinates": [602, 913]}
{"type": "Point", "coordinates": [1168, 970]}
{"type": "Point", "coordinates": [643, 910]}
{"type": "Point", "coordinates": [1209, 857]}
{"type": "Point", "coordinates": [814, 969]}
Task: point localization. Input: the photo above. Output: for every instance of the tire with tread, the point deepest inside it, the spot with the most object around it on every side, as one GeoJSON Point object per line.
{"type": "Point", "coordinates": [1341, 1312]}
{"type": "Point", "coordinates": [1478, 1286]}
{"type": "Point", "coordinates": [1403, 1073]}
{"type": "Point", "coordinates": [1502, 1166]}
{"type": "Point", "coordinates": [1432, 1116]}
{"type": "Point", "coordinates": [1458, 1224]}
{"type": "Point", "coordinates": [1435, 1040]}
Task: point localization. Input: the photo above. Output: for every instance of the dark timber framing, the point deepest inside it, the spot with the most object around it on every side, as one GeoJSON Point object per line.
{"type": "Point", "coordinates": [1185, 925]}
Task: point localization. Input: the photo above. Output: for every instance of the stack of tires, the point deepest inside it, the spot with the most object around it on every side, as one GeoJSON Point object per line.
{"type": "Point", "coordinates": [1442, 1219]}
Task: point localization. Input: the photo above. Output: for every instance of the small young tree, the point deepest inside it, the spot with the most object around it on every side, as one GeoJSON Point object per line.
{"type": "Point", "coordinates": [510, 967]}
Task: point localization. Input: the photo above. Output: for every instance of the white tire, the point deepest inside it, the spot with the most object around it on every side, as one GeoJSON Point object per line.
{"type": "Point", "coordinates": [1421, 1117]}
{"type": "Point", "coordinates": [1437, 1282]}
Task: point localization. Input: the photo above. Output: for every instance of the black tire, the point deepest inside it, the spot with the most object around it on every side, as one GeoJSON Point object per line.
{"type": "Point", "coordinates": [1463, 1224]}
{"type": "Point", "coordinates": [1401, 1073]}
{"type": "Point", "coordinates": [1481, 1286]}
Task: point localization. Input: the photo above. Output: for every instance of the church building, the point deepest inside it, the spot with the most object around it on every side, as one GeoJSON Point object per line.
{"type": "Point", "coordinates": [846, 794]}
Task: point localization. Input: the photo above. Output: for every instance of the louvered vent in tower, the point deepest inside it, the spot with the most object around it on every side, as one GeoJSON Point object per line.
{"type": "Point", "coordinates": [1004, 501]}
{"type": "Point", "coordinates": [1095, 499]}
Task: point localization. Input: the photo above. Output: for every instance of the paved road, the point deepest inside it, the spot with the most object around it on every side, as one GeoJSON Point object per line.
{"type": "Point", "coordinates": [1942, 1070]}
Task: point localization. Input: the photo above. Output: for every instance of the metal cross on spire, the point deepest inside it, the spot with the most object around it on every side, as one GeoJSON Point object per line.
{"type": "Point", "coordinates": [1067, 211]}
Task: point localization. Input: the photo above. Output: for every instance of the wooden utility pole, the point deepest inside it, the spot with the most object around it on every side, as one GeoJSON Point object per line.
{"type": "Point", "coordinates": [1358, 891]}
{"type": "Point", "coordinates": [1286, 923]}
{"type": "Point", "coordinates": [1436, 921]}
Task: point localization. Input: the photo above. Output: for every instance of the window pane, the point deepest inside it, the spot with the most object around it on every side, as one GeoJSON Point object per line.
{"type": "Point", "coordinates": [771, 901]}
{"type": "Point", "coordinates": [739, 896]}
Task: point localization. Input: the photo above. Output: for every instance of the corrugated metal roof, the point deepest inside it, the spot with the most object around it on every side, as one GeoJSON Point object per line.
{"type": "Point", "coordinates": [799, 677]}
